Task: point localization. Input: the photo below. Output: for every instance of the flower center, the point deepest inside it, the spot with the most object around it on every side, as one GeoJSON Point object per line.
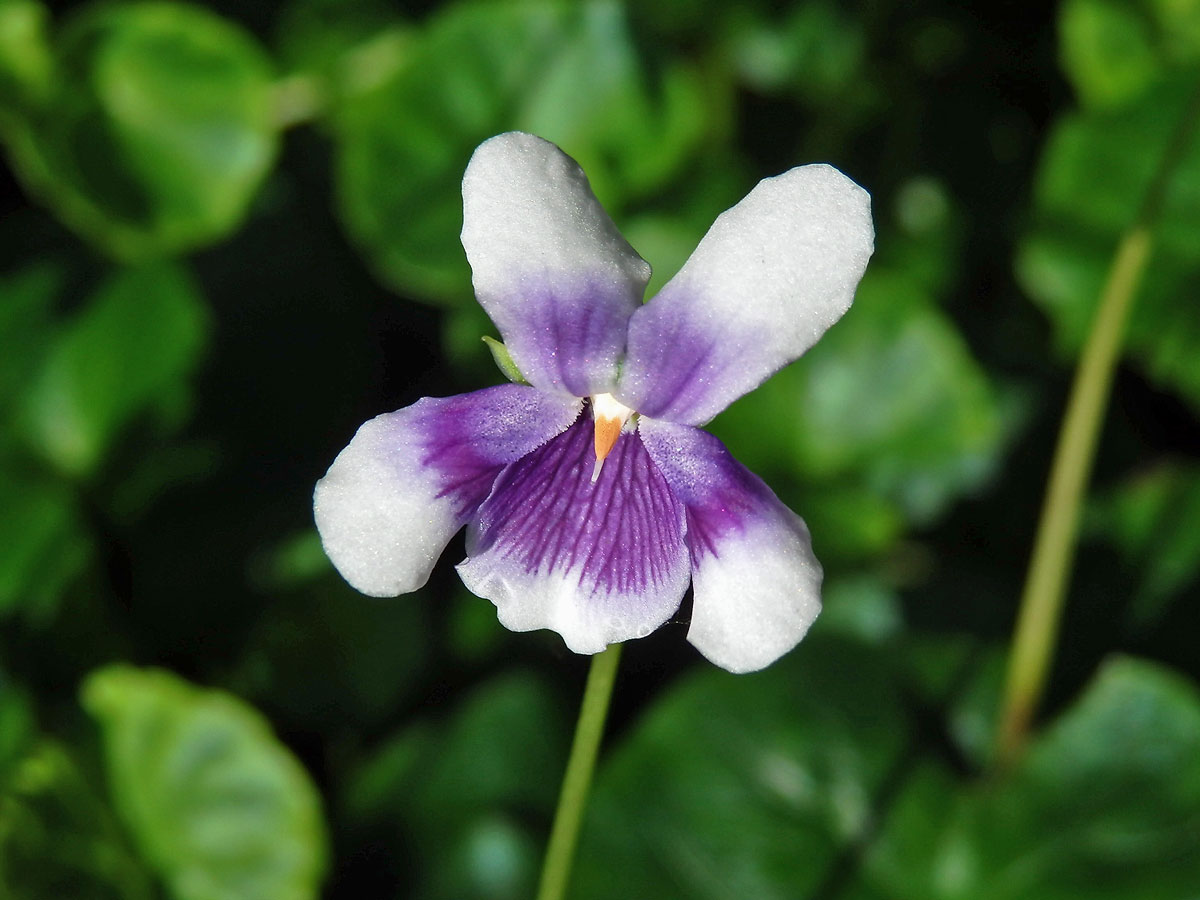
{"type": "Point", "coordinates": [611, 416]}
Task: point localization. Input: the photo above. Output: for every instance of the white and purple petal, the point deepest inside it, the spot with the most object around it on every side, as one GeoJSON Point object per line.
{"type": "Point", "coordinates": [597, 562]}
{"type": "Point", "coordinates": [772, 274]}
{"type": "Point", "coordinates": [756, 582]}
{"type": "Point", "coordinates": [410, 479]}
{"type": "Point", "coordinates": [548, 264]}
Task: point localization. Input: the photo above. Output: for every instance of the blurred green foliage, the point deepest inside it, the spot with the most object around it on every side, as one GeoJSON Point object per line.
{"type": "Point", "coordinates": [567, 72]}
{"type": "Point", "coordinates": [231, 235]}
{"type": "Point", "coordinates": [1153, 518]}
{"type": "Point", "coordinates": [1094, 171]}
{"type": "Point", "coordinates": [130, 348]}
{"type": "Point", "coordinates": [216, 806]}
{"type": "Point", "coordinates": [151, 129]}
{"type": "Point", "coordinates": [1105, 804]}
{"type": "Point", "coordinates": [789, 760]}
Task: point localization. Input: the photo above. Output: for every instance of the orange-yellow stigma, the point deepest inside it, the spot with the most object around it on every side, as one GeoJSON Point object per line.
{"type": "Point", "coordinates": [610, 416]}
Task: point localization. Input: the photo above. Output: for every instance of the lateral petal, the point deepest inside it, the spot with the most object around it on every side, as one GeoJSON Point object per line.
{"type": "Point", "coordinates": [548, 264]}
{"type": "Point", "coordinates": [598, 562]}
{"type": "Point", "coordinates": [772, 274]}
{"type": "Point", "coordinates": [756, 582]}
{"type": "Point", "coordinates": [409, 479]}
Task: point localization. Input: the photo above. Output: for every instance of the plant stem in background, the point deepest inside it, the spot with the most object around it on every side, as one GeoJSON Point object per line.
{"type": "Point", "coordinates": [1054, 547]}
{"type": "Point", "coordinates": [560, 852]}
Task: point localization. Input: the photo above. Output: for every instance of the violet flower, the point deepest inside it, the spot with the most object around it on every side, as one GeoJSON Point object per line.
{"type": "Point", "coordinates": [590, 495]}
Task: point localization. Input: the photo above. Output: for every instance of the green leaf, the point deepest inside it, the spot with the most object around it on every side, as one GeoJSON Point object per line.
{"type": "Point", "coordinates": [745, 785]}
{"type": "Point", "coordinates": [495, 749]}
{"type": "Point", "coordinates": [669, 227]}
{"type": "Point", "coordinates": [1154, 521]}
{"type": "Point", "coordinates": [157, 129]}
{"type": "Point", "coordinates": [1107, 50]}
{"type": "Point", "coordinates": [130, 348]}
{"type": "Point", "coordinates": [852, 522]}
{"type": "Point", "coordinates": [1091, 179]}
{"type": "Point", "coordinates": [217, 806]}
{"type": "Point", "coordinates": [25, 60]}
{"type": "Point", "coordinates": [1096, 167]}
{"type": "Point", "coordinates": [566, 72]}
{"type": "Point", "coordinates": [17, 728]}
{"type": "Point", "coordinates": [889, 403]}
{"type": "Point", "coordinates": [817, 50]}
{"type": "Point", "coordinates": [58, 837]}
{"type": "Point", "coordinates": [860, 607]}
{"type": "Point", "coordinates": [326, 660]}
{"type": "Point", "coordinates": [43, 544]}
{"type": "Point", "coordinates": [1178, 23]}
{"type": "Point", "coordinates": [325, 36]}
{"type": "Point", "coordinates": [466, 788]}
{"type": "Point", "coordinates": [1105, 805]}
{"type": "Point", "coordinates": [26, 306]}
{"type": "Point", "coordinates": [1114, 51]}
{"type": "Point", "coordinates": [292, 562]}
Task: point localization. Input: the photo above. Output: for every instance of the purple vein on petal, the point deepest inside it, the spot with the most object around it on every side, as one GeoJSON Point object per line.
{"type": "Point", "coordinates": [565, 333]}
{"type": "Point", "coordinates": [619, 533]}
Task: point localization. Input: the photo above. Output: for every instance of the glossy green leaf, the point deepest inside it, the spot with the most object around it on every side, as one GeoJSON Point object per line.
{"type": "Point", "coordinates": [1093, 174]}
{"type": "Point", "coordinates": [566, 72]}
{"type": "Point", "coordinates": [890, 402]}
{"type": "Point", "coordinates": [217, 806]}
{"type": "Point", "coordinates": [1154, 521]}
{"type": "Point", "coordinates": [1105, 805]}
{"type": "Point", "coordinates": [745, 785]}
{"type": "Point", "coordinates": [156, 130]}
{"type": "Point", "coordinates": [127, 350]}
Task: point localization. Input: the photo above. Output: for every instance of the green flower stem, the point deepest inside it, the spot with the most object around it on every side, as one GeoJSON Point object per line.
{"type": "Point", "coordinates": [560, 852]}
{"type": "Point", "coordinates": [1054, 547]}
{"type": "Point", "coordinates": [1046, 581]}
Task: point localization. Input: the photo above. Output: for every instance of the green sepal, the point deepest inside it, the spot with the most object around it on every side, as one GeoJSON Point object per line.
{"type": "Point", "coordinates": [504, 360]}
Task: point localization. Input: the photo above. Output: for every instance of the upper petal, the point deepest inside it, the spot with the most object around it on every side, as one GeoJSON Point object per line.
{"type": "Point", "coordinates": [772, 274]}
{"type": "Point", "coordinates": [548, 264]}
{"type": "Point", "coordinates": [756, 582]}
{"type": "Point", "coordinates": [410, 479]}
{"type": "Point", "coordinates": [598, 562]}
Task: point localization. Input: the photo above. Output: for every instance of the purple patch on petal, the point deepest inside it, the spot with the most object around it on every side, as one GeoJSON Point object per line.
{"type": "Point", "coordinates": [623, 533]}
{"type": "Point", "coordinates": [467, 439]}
{"type": "Point", "coordinates": [568, 333]}
{"type": "Point", "coordinates": [720, 494]}
{"type": "Point", "coordinates": [726, 510]}
{"type": "Point", "coordinates": [683, 369]}
{"type": "Point", "coordinates": [679, 356]}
